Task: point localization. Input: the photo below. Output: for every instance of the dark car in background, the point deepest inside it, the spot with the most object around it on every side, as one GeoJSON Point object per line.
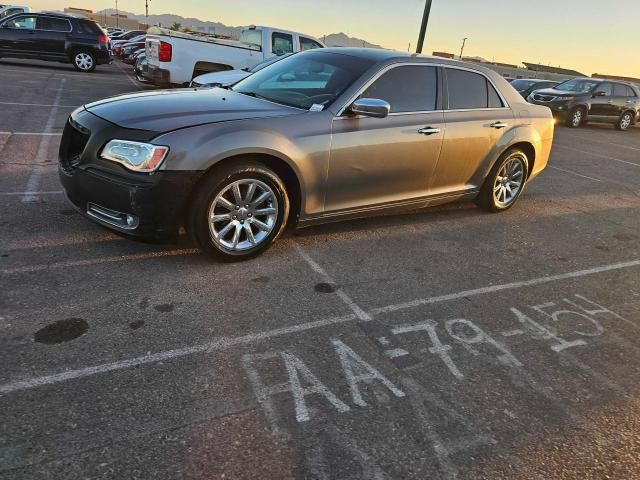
{"type": "Point", "coordinates": [55, 37]}
{"type": "Point", "coordinates": [526, 86]}
{"type": "Point", "coordinates": [580, 100]}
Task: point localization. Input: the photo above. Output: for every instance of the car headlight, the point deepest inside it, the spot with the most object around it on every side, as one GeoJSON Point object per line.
{"type": "Point", "coordinates": [136, 156]}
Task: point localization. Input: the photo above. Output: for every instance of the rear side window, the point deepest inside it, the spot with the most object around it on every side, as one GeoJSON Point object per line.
{"type": "Point", "coordinates": [410, 88]}
{"type": "Point", "coordinates": [308, 44]}
{"type": "Point", "coordinates": [92, 27]}
{"type": "Point", "coordinates": [281, 43]}
{"type": "Point", "coordinates": [623, 91]}
{"type": "Point", "coordinates": [53, 24]}
{"type": "Point", "coordinates": [468, 90]}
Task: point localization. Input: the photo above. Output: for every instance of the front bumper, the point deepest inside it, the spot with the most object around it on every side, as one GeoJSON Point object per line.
{"type": "Point", "coordinates": [158, 76]}
{"type": "Point", "coordinates": [148, 206]}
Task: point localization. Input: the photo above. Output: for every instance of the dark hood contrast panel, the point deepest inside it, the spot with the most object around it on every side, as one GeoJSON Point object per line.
{"type": "Point", "coordinates": [165, 110]}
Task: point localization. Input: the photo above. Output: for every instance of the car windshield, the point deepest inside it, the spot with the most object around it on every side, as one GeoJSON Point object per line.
{"type": "Point", "coordinates": [266, 63]}
{"type": "Point", "coordinates": [522, 85]}
{"type": "Point", "coordinates": [579, 86]}
{"type": "Point", "coordinates": [312, 78]}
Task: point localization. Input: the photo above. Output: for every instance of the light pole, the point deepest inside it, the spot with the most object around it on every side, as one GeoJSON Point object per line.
{"type": "Point", "coordinates": [423, 26]}
{"type": "Point", "coordinates": [117, 16]}
{"type": "Point", "coordinates": [146, 9]}
{"type": "Point", "coordinates": [464, 41]}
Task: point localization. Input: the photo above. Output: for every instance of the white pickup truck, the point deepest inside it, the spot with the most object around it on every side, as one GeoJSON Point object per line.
{"type": "Point", "coordinates": [175, 58]}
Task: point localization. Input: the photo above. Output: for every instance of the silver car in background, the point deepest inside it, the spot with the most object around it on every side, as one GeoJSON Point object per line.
{"type": "Point", "coordinates": [322, 136]}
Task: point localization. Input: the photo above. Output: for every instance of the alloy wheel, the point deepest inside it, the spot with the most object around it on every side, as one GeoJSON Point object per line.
{"type": "Point", "coordinates": [576, 120]}
{"type": "Point", "coordinates": [625, 121]}
{"type": "Point", "coordinates": [509, 181]}
{"type": "Point", "coordinates": [243, 215]}
{"type": "Point", "coordinates": [84, 61]}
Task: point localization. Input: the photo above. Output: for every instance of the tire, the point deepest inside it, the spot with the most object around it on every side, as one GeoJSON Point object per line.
{"type": "Point", "coordinates": [228, 239]}
{"type": "Point", "coordinates": [84, 61]}
{"type": "Point", "coordinates": [577, 117]}
{"type": "Point", "coordinates": [495, 195]}
{"type": "Point", "coordinates": [625, 121]}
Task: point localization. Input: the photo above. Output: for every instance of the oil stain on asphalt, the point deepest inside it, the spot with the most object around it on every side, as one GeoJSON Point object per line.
{"type": "Point", "coordinates": [136, 324]}
{"type": "Point", "coordinates": [61, 331]}
{"type": "Point", "coordinates": [164, 308]}
{"type": "Point", "coordinates": [325, 287]}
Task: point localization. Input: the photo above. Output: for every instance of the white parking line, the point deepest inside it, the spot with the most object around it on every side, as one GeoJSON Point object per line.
{"type": "Point", "coordinates": [607, 157]}
{"type": "Point", "coordinates": [34, 194]}
{"type": "Point", "coordinates": [38, 105]}
{"type": "Point", "coordinates": [576, 174]}
{"type": "Point", "coordinates": [227, 342]}
{"type": "Point", "coordinates": [361, 314]}
{"type": "Point", "coordinates": [137, 85]}
{"type": "Point", "coordinates": [43, 149]}
{"type": "Point", "coordinates": [33, 134]}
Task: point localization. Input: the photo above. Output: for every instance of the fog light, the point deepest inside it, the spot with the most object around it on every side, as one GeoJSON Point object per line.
{"type": "Point", "coordinates": [131, 221]}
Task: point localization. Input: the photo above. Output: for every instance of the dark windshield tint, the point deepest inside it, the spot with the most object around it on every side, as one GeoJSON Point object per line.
{"type": "Point", "coordinates": [522, 85]}
{"type": "Point", "coordinates": [305, 79]}
{"type": "Point", "coordinates": [577, 85]}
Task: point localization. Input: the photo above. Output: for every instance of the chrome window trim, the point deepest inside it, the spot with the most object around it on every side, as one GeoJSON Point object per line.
{"type": "Point", "coordinates": [507, 106]}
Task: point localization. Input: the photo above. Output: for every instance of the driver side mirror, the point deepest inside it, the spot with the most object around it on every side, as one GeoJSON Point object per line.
{"type": "Point", "coordinates": [371, 107]}
{"type": "Point", "coordinates": [600, 94]}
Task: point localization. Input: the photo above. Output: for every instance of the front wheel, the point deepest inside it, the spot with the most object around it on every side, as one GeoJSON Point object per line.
{"type": "Point", "coordinates": [625, 121]}
{"type": "Point", "coordinates": [505, 182]}
{"type": "Point", "coordinates": [238, 212]}
{"type": "Point", "coordinates": [84, 61]}
{"type": "Point", "coordinates": [576, 117]}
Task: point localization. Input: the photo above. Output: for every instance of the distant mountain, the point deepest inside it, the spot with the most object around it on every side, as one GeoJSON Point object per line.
{"type": "Point", "coordinates": [167, 19]}
{"type": "Point", "coordinates": [343, 40]}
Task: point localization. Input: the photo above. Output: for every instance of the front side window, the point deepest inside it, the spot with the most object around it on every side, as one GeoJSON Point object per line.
{"type": "Point", "coordinates": [469, 90]}
{"type": "Point", "coordinates": [53, 24]}
{"type": "Point", "coordinates": [409, 88]}
{"type": "Point", "coordinates": [308, 44]}
{"type": "Point", "coordinates": [22, 23]}
{"type": "Point", "coordinates": [607, 88]}
{"type": "Point", "coordinates": [281, 43]}
{"type": "Point", "coordinates": [305, 79]}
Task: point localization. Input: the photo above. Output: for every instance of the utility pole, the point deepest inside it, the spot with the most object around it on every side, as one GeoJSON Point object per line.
{"type": "Point", "coordinates": [117, 16]}
{"type": "Point", "coordinates": [146, 9]}
{"type": "Point", "coordinates": [423, 26]}
{"type": "Point", "coordinates": [464, 41]}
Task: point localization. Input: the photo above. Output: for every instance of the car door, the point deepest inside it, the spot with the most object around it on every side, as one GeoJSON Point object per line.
{"type": "Point", "coordinates": [477, 117]}
{"type": "Point", "coordinates": [378, 161]}
{"type": "Point", "coordinates": [624, 98]}
{"type": "Point", "coordinates": [602, 103]}
{"type": "Point", "coordinates": [53, 33]}
{"type": "Point", "coordinates": [18, 36]}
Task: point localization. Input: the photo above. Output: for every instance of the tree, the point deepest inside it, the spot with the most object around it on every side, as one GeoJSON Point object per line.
{"type": "Point", "coordinates": [176, 26]}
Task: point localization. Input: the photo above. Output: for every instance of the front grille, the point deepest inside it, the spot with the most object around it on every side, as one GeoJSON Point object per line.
{"type": "Point", "coordinates": [543, 98]}
{"type": "Point", "coordinates": [74, 140]}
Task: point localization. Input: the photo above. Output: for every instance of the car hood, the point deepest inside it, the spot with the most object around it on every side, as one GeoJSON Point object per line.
{"type": "Point", "coordinates": [165, 110]}
{"type": "Point", "coordinates": [223, 78]}
{"type": "Point", "coordinates": [558, 93]}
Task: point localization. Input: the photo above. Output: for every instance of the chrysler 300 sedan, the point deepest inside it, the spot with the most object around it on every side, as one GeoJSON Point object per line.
{"type": "Point", "coordinates": [318, 137]}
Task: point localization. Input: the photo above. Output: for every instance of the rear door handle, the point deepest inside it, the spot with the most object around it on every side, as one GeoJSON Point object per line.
{"type": "Point", "coordinates": [499, 125]}
{"type": "Point", "coordinates": [629, 101]}
{"type": "Point", "coordinates": [428, 131]}
{"type": "Point", "coordinates": [610, 102]}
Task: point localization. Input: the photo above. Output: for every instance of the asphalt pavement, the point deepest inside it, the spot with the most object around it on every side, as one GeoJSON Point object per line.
{"type": "Point", "coordinates": [446, 343]}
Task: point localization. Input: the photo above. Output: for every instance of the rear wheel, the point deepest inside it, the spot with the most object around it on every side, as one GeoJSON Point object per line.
{"type": "Point", "coordinates": [84, 61]}
{"type": "Point", "coordinates": [505, 182]}
{"type": "Point", "coordinates": [625, 121]}
{"type": "Point", "coordinates": [576, 117]}
{"type": "Point", "coordinates": [238, 212]}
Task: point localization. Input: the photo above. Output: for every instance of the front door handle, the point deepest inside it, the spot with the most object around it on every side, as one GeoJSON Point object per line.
{"type": "Point", "coordinates": [610, 102]}
{"type": "Point", "coordinates": [428, 131]}
{"type": "Point", "coordinates": [629, 101]}
{"type": "Point", "coordinates": [499, 125]}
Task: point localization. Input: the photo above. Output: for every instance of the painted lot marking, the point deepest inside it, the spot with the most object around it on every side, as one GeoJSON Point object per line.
{"type": "Point", "coordinates": [38, 105]}
{"type": "Point", "coordinates": [43, 149]}
{"type": "Point", "coordinates": [34, 134]}
{"type": "Point", "coordinates": [570, 172]}
{"type": "Point", "coordinates": [592, 154]}
{"type": "Point", "coordinates": [35, 194]}
{"type": "Point", "coordinates": [227, 342]}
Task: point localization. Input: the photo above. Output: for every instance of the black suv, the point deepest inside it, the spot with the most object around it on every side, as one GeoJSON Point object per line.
{"type": "Point", "coordinates": [581, 99]}
{"type": "Point", "coordinates": [61, 38]}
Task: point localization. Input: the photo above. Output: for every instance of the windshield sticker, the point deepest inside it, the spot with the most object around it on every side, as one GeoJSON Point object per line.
{"type": "Point", "coordinates": [316, 107]}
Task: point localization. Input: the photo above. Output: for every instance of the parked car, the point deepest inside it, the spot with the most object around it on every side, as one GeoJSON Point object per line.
{"type": "Point", "coordinates": [140, 68]}
{"type": "Point", "coordinates": [8, 10]}
{"type": "Point", "coordinates": [131, 57]}
{"type": "Point", "coordinates": [126, 35]}
{"type": "Point", "coordinates": [118, 45]}
{"type": "Point", "coordinates": [526, 86]}
{"type": "Point", "coordinates": [55, 37]}
{"type": "Point", "coordinates": [580, 100]}
{"type": "Point", "coordinates": [176, 58]}
{"type": "Point", "coordinates": [114, 31]}
{"type": "Point", "coordinates": [321, 136]}
{"type": "Point", "coordinates": [229, 77]}
{"type": "Point", "coordinates": [129, 48]}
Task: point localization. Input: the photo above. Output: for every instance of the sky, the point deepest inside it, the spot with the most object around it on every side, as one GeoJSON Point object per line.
{"type": "Point", "coordinates": [591, 36]}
